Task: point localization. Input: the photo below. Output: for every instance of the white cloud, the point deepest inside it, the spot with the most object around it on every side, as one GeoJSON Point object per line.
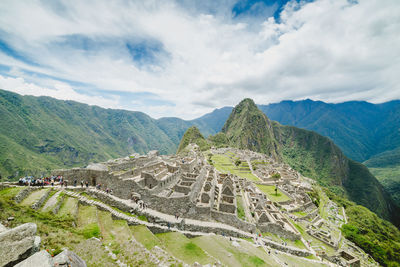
{"type": "Point", "coordinates": [327, 50]}
{"type": "Point", "coordinates": [60, 91]}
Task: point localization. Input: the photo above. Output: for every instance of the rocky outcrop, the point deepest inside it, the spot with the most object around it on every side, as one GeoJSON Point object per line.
{"type": "Point", "coordinates": [42, 259]}
{"type": "Point", "coordinates": [17, 244]}
{"type": "Point", "coordinates": [68, 258]}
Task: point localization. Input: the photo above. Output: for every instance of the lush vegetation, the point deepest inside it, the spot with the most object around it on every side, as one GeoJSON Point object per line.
{"type": "Point", "coordinates": [360, 129]}
{"type": "Point", "coordinates": [224, 164]}
{"type": "Point", "coordinates": [376, 236]}
{"type": "Point", "coordinates": [275, 196]}
{"type": "Point", "coordinates": [38, 134]}
{"type": "Point", "coordinates": [248, 128]}
{"type": "Point", "coordinates": [389, 177]}
{"type": "Point", "coordinates": [193, 135]}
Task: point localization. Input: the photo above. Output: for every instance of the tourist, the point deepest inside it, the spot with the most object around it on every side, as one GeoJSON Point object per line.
{"type": "Point", "coordinates": [82, 184]}
{"type": "Point", "coordinates": [75, 182]}
{"type": "Point", "coordinates": [87, 184]}
{"type": "Point", "coordinates": [111, 191]}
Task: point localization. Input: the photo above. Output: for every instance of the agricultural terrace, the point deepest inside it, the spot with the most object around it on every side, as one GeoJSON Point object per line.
{"type": "Point", "coordinates": [226, 164]}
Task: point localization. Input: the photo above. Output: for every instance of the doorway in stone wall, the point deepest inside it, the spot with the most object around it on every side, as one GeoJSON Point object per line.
{"type": "Point", "coordinates": [94, 181]}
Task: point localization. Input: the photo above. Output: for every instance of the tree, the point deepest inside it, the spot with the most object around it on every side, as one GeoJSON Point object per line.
{"type": "Point", "coordinates": [238, 162]}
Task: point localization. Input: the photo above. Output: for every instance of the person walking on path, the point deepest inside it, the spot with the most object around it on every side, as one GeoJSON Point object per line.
{"type": "Point", "coordinates": [82, 184]}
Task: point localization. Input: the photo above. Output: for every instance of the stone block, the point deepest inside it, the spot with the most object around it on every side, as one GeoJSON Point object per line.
{"type": "Point", "coordinates": [17, 243]}
{"type": "Point", "coordinates": [68, 258]}
{"type": "Point", "coordinates": [42, 259]}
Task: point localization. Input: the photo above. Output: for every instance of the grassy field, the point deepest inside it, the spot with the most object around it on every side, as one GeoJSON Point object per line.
{"type": "Point", "coordinates": [145, 236]}
{"type": "Point", "coordinates": [278, 239]}
{"type": "Point", "coordinates": [269, 190]}
{"type": "Point", "coordinates": [224, 164]}
{"type": "Point", "coordinates": [183, 248]}
{"type": "Point", "coordinates": [299, 213]}
{"type": "Point", "coordinates": [68, 207]}
{"type": "Point", "coordinates": [246, 254]}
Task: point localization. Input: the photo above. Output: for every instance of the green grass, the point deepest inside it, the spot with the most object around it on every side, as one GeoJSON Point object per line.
{"type": "Point", "coordinates": [297, 261]}
{"type": "Point", "coordinates": [269, 190]}
{"type": "Point", "coordinates": [299, 213]}
{"type": "Point", "coordinates": [10, 192]}
{"type": "Point", "coordinates": [244, 255]}
{"type": "Point", "coordinates": [68, 207]}
{"type": "Point", "coordinates": [33, 197]}
{"type": "Point", "coordinates": [91, 230]}
{"type": "Point", "coordinates": [86, 215]}
{"type": "Point", "coordinates": [223, 164]}
{"type": "Point", "coordinates": [240, 209]}
{"type": "Point", "coordinates": [183, 248]}
{"type": "Point", "coordinates": [145, 236]}
{"type": "Point", "coordinates": [278, 239]}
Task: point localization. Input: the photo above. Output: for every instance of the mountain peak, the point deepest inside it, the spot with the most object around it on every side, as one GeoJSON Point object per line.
{"type": "Point", "coordinates": [248, 128]}
{"type": "Point", "coordinates": [192, 135]}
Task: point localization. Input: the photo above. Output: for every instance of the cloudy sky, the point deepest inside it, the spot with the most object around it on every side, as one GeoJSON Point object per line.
{"type": "Point", "coordinates": [184, 58]}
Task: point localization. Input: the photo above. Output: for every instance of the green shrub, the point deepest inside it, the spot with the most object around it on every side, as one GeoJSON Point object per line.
{"type": "Point", "coordinates": [91, 230]}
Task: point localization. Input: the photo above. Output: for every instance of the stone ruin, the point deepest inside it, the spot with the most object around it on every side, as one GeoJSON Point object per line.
{"type": "Point", "coordinates": [20, 246]}
{"type": "Point", "coordinates": [187, 185]}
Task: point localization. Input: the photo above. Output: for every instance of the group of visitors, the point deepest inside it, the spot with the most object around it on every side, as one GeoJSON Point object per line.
{"type": "Point", "coordinates": [32, 181]}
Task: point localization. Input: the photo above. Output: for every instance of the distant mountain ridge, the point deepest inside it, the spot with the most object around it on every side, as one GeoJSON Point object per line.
{"type": "Point", "coordinates": [361, 129]}
{"type": "Point", "coordinates": [38, 134]}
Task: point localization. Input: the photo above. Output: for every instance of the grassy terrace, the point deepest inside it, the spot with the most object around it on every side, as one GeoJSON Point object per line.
{"type": "Point", "coordinates": [224, 164]}
{"type": "Point", "coordinates": [244, 255]}
{"type": "Point", "coordinates": [269, 190]}
{"type": "Point", "coordinates": [184, 249]}
{"type": "Point", "coordinates": [278, 239]}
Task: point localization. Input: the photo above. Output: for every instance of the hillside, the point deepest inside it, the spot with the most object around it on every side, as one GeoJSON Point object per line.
{"type": "Point", "coordinates": [38, 134]}
{"type": "Point", "coordinates": [311, 154]}
{"type": "Point", "coordinates": [41, 133]}
{"type": "Point", "coordinates": [192, 135]}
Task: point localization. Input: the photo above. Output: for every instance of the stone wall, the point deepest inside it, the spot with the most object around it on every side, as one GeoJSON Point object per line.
{"type": "Point", "coordinates": [40, 201]}
{"type": "Point", "coordinates": [231, 219]}
{"type": "Point", "coordinates": [58, 205]}
{"type": "Point", "coordinates": [278, 230]}
{"type": "Point", "coordinates": [24, 193]}
{"type": "Point", "coordinates": [287, 249]}
{"type": "Point", "coordinates": [310, 215]}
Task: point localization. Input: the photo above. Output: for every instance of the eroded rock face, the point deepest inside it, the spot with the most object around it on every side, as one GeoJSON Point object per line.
{"type": "Point", "coordinates": [17, 243]}
{"type": "Point", "coordinates": [68, 258]}
{"type": "Point", "coordinates": [42, 259]}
